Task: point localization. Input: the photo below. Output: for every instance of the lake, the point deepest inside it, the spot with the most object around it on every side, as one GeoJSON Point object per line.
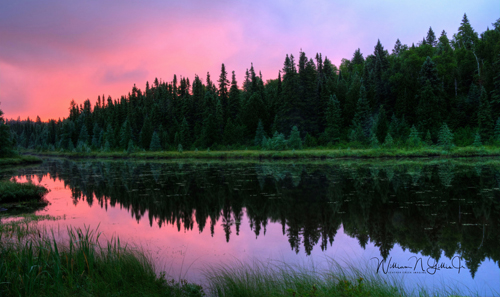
{"type": "Point", "coordinates": [430, 222]}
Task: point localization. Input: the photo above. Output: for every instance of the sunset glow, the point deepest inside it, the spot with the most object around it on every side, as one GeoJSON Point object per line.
{"type": "Point", "coordinates": [54, 51]}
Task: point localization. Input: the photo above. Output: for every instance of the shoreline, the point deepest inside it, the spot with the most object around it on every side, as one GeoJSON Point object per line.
{"type": "Point", "coordinates": [461, 152]}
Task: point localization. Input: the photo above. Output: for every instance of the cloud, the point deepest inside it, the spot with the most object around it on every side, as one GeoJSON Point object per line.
{"type": "Point", "coordinates": [54, 51]}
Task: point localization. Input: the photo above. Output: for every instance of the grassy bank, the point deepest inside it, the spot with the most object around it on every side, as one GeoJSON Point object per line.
{"type": "Point", "coordinates": [20, 192]}
{"type": "Point", "coordinates": [19, 160]}
{"type": "Point", "coordinates": [34, 263]}
{"type": "Point", "coordinates": [424, 152]}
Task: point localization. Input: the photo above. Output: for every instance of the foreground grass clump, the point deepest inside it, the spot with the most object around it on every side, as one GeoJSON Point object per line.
{"type": "Point", "coordinates": [33, 263]}
{"type": "Point", "coordinates": [18, 192]}
{"type": "Point", "coordinates": [280, 279]}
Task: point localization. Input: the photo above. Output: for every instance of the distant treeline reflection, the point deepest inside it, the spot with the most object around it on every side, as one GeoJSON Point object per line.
{"type": "Point", "coordinates": [443, 206]}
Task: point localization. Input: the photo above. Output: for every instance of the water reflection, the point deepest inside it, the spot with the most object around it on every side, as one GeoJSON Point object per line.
{"type": "Point", "coordinates": [427, 208]}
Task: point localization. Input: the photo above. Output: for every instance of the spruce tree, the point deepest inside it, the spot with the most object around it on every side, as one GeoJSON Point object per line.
{"type": "Point", "coordinates": [477, 140]}
{"type": "Point", "coordinates": [428, 138]}
{"type": "Point", "coordinates": [388, 142]}
{"type": "Point", "coordinates": [445, 137]}
{"type": "Point", "coordinates": [295, 142]}
{"type": "Point", "coordinates": [125, 134]}
{"type": "Point", "coordinates": [155, 143]}
{"type": "Point", "coordinates": [496, 135]}
{"type": "Point", "coordinates": [259, 134]}
{"type": "Point", "coordinates": [5, 138]}
{"type": "Point", "coordinates": [96, 136]}
{"type": "Point", "coordinates": [431, 38]}
{"type": "Point", "coordinates": [414, 138]}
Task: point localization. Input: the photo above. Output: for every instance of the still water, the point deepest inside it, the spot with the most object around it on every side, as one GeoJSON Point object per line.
{"type": "Point", "coordinates": [434, 223]}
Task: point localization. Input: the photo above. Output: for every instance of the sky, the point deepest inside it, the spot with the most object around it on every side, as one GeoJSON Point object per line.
{"type": "Point", "coordinates": [55, 51]}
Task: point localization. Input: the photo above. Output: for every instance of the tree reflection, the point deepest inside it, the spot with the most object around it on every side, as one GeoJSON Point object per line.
{"type": "Point", "coordinates": [426, 209]}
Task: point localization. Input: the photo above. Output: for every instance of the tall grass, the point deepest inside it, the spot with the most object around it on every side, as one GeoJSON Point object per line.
{"type": "Point", "coordinates": [36, 264]}
{"type": "Point", "coordinates": [323, 153]}
{"type": "Point", "coordinates": [280, 279]}
{"type": "Point", "coordinates": [19, 160]}
{"type": "Point", "coordinates": [17, 192]}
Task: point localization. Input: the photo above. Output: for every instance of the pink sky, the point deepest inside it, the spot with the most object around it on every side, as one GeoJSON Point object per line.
{"type": "Point", "coordinates": [54, 51]}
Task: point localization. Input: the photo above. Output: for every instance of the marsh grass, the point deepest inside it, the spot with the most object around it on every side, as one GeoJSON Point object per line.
{"type": "Point", "coordinates": [11, 191]}
{"type": "Point", "coordinates": [275, 278]}
{"type": "Point", "coordinates": [320, 153]}
{"type": "Point", "coordinates": [34, 263]}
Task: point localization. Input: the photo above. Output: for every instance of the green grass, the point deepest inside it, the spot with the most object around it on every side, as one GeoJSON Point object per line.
{"type": "Point", "coordinates": [280, 279]}
{"type": "Point", "coordinates": [34, 263]}
{"type": "Point", "coordinates": [15, 192]}
{"type": "Point", "coordinates": [19, 160]}
{"type": "Point", "coordinates": [423, 152]}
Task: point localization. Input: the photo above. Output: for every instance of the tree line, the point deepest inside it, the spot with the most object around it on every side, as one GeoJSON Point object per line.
{"type": "Point", "coordinates": [436, 92]}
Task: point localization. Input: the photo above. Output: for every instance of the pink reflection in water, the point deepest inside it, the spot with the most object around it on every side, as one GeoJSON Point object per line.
{"type": "Point", "coordinates": [185, 253]}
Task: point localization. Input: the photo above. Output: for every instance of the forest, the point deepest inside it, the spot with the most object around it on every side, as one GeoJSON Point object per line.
{"type": "Point", "coordinates": [439, 91]}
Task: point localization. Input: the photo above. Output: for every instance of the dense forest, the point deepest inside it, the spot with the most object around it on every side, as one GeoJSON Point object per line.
{"type": "Point", "coordinates": [436, 92]}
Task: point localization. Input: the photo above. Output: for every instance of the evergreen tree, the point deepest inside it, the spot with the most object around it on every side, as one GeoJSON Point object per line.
{"type": "Point", "coordinates": [96, 136]}
{"type": "Point", "coordinates": [477, 140]}
{"type": "Point", "coordinates": [431, 38]}
{"type": "Point", "coordinates": [295, 142]}
{"type": "Point", "coordinates": [5, 138]}
{"type": "Point", "coordinates": [259, 134]}
{"type": "Point", "coordinates": [362, 119]}
{"type": "Point", "coordinates": [185, 135]}
{"type": "Point", "coordinates": [84, 135]}
{"type": "Point", "coordinates": [496, 135]}
{"type": "Point", "coordinates": [155, 143]}
{"type": "Point", "coordinates": [230, 133]}
{"type": "Point", "coordinates": [234, 98]}
{"type": "Point", "coordinates": [374, 143]}
{"type": "Point", "coordinates": [445, 137]}
{"type": "Point", "coordinates": [146, 133]}
{"type": "Point", "coordinates": [388, 142]}
{"type": "Point", "coordinates": [428, 138]}
{"type": "Point", "coordinates": [130, 147]}
{"type": "Point", "coordinates": [125, 134]}
{"type": "Point", "coordinates": [414, 138]}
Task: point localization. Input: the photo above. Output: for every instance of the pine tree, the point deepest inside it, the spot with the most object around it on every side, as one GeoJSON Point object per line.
{"type": "Point", "coordinates": [5, 138]}
{"type": "Point", "coordinates": [414, 138]}
{"type": "Point", "coordinates": [431, 38]}
{"type": "Point", "coordinates": [445, 137]}
{"type": "Point", "coordinates": [295, 142]}
{"type": "Point", "coordinates": [259, 134]}
{"type": "Point", "coordinates": [477, 140]}
{"type": "Point", "coordinates": [179, 148]}
{"type": "Point", "coordinates": [185, 134]}
{"type": "Point", "coordinates": [155, 143]}
{"type": "Point", "coordinates": [374, 143]}
{"type": "Point", "coordinates": [428, 138]}
{"type": "Point", "coordinates": [388, 142]}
